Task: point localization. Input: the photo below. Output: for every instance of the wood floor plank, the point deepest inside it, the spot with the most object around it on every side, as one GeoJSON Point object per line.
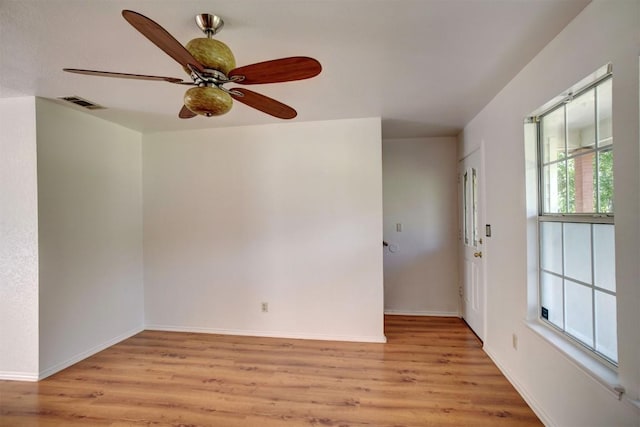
{"type": "Point", "coordinates": [431, 372]}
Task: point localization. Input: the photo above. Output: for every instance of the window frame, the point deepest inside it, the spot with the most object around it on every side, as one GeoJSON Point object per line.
{"type": "Point", "coordinates": [571, 217]}
{"type": "Point", "coordinates": [557, 104]}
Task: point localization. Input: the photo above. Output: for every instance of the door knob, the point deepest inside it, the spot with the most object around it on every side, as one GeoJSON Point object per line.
{"type": "Point", "coordinates": [477, 254]}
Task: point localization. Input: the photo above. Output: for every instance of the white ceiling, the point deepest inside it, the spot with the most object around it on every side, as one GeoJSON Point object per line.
{"type": "Point", "coordinates": [425, 66]}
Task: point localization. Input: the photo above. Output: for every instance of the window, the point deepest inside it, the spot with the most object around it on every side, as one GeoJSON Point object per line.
{"type": "Point", "coordinates": [576, 278]}
{"type": "Point", "coordinates": [470, 207]}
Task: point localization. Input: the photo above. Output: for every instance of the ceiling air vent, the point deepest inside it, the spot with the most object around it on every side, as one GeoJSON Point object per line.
{"type": "Point", "coordinates": [82, 102]}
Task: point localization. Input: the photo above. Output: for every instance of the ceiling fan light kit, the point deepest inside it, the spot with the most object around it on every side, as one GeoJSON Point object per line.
{"type": "Point", "coordinates": [212, 54]}
{"type": "Point", "coordinates": [211, 64]}
{"type": "Point", "coordinates": [208, 101]}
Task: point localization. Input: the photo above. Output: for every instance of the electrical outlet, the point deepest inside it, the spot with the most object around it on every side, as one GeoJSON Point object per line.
{"type": "Point", "coordinates": [265, 307]}
{"type": "Point", "coordinates": [514, 341]}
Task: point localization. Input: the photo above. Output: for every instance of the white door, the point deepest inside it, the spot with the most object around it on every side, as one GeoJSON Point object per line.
{"type": "Point", "coordinates": [472, 239]}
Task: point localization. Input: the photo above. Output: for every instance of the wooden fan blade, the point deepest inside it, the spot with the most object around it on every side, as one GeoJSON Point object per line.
{"type": "Point", "coordinates": [123, 75]}
{"type": "Point", "coordinates": [278, 70]}
{"type": "Point", "coordinates": [185, 113]}
{"type": "Point", "coordinates": [161, 38]}
{"type": "Point", "coordinates": [264, 103]}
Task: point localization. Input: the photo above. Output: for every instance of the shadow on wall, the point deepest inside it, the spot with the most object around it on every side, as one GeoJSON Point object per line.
{"type": "Point", "coordinates": [410, 129]}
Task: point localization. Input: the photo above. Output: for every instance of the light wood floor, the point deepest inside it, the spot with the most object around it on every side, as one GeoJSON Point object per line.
{"type": "Point", "coordinates": [432, 372]}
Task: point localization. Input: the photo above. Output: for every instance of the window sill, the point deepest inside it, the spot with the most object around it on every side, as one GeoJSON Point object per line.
{"type": "Point", "coordinates": [603, 374]}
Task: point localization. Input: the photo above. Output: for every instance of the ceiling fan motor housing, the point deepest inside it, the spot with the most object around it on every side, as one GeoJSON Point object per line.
{"type": "Point", "coordinates": [212, 54]}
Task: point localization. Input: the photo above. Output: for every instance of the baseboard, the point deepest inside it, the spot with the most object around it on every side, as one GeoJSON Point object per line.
{"type": "Point", "coordinates": [269, 334]}
{"type": "Point", "coordinates": [422, 313]}
{"type": "Point", "coordinates": [18, 376]}
{"type": "Point", "coordinates": [533, 403]}
{"type": "Point", "coordinates": [81, 356]}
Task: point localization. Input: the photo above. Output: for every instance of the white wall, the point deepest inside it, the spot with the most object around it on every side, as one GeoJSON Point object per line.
{"type": "Point", "coordinates": [561, 393]}
{"type": "Point", "coordinates": [18, 240]}
{"type": "Point", "coordinates": [419, 191]}
{"type": "Point", "coordinates": [90, 234]}
{"type": "Point", "coordinates": [288, 214]}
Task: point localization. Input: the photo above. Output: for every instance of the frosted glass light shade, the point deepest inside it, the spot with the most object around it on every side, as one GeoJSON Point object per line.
{"type": "Point", "coordinates": [212, 54]}
{"type": "Point", "coordinates": [208, 101]}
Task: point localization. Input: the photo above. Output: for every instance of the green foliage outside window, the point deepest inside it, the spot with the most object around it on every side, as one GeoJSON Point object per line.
{"type": "Point", "coordinates": [602, 184]}
{"type": "Point", "coordinates": [605, 176]}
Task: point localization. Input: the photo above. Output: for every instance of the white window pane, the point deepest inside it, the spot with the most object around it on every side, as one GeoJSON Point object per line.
{"type": "Point", "coordinates": [606, 334]}
{"type": "Point", "coordinates": [604, 114]}
{"type": "Point", "coordinates": [577, 251]}
{"type": "Point", "coordinates": [581, 123]}
{"type": "Point", "coordinates": [579, 311]}
{"type": "Point", "coordinates": [604, 251]}
{"type": "Point", "coordinates": [551, 298]}
{"type": "Point", "coordinates": [552, 136]}
{"type": "Point", "coordinates": [551, 246]}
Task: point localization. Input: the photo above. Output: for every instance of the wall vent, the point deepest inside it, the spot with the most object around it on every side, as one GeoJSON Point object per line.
{"type": "Point", "coordinates": [82, 102]}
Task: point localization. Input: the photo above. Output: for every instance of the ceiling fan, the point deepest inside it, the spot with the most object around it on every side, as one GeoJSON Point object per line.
{"type": "Point", "coordinates": [211, 64]}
